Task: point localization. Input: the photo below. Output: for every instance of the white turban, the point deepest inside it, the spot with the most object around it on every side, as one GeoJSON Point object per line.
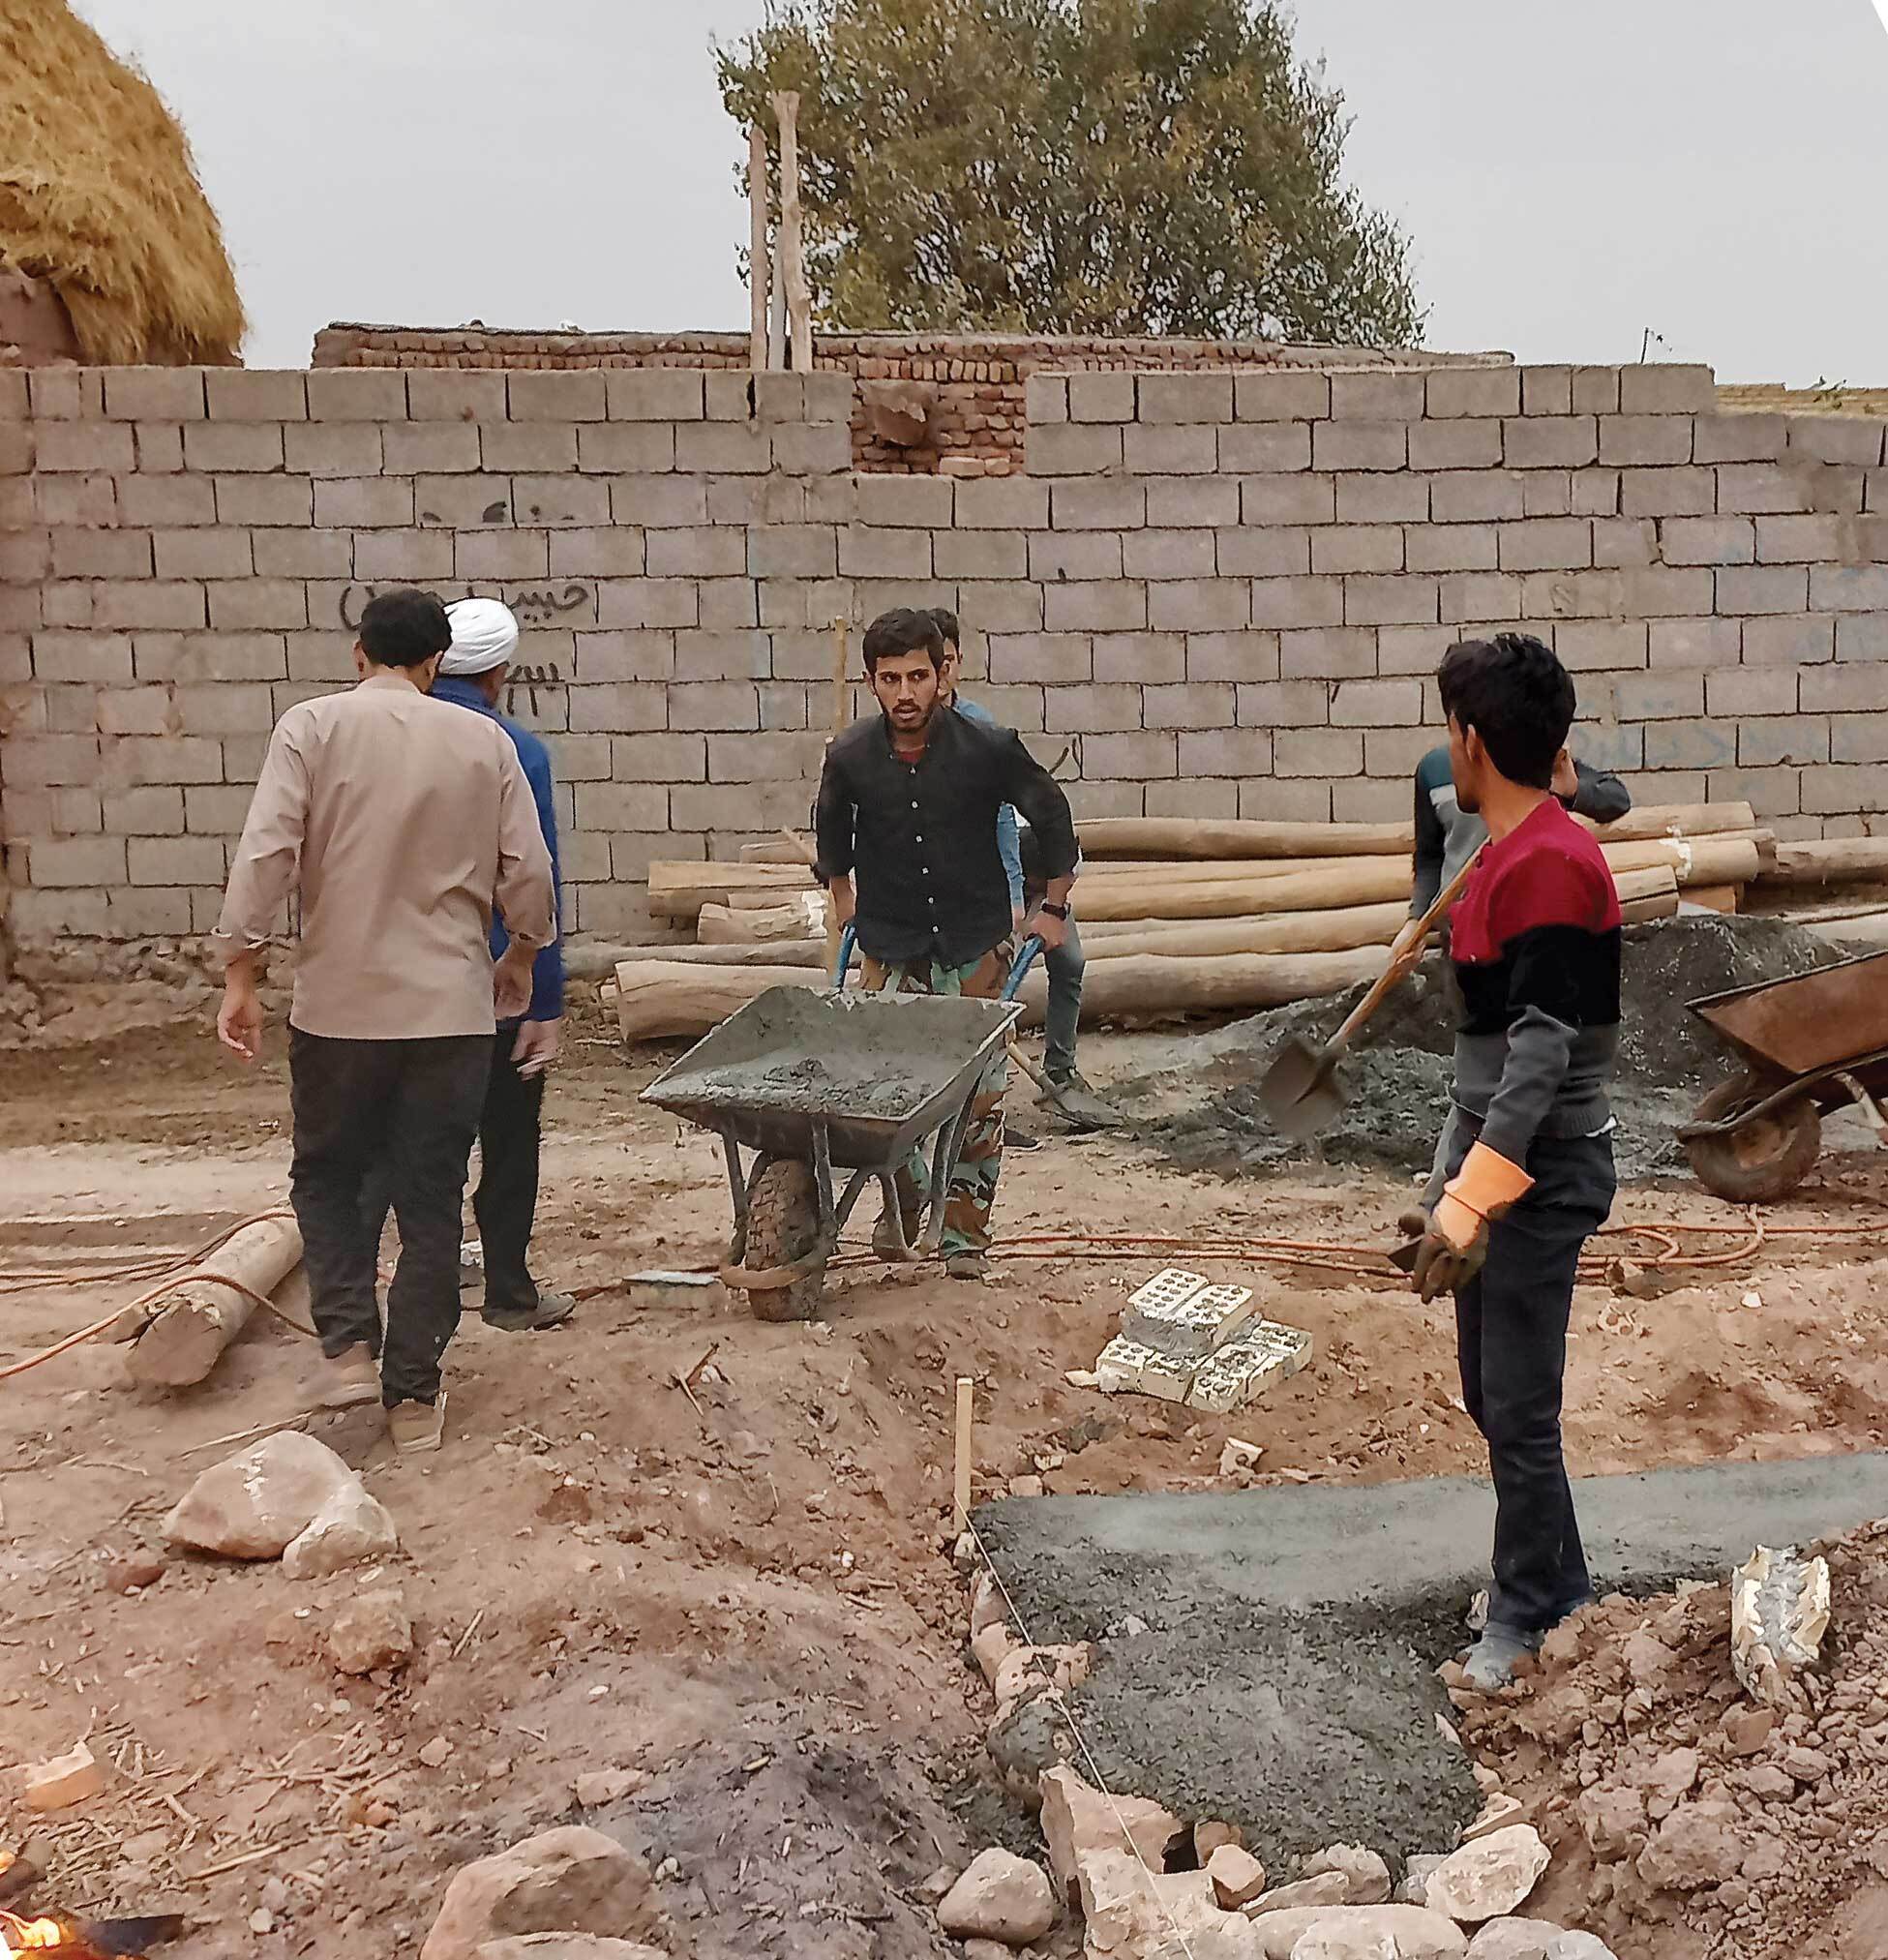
{"type": "Point", "coordinates": [484, 636]}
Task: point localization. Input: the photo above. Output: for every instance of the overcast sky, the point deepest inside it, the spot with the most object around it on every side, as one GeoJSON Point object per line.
{"type": "Point", "coordinates": [1570, 174]}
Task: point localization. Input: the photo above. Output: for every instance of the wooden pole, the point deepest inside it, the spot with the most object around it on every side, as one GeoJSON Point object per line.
{"type": "Point", "coordinates": [792, 261]}
{"type": "Point", "coordinates": [961, 1482]}
{"type": "Point", "coordinates": [840, 717]}
{"type": "Point", "coordinates": [759, 271]}
{"type": "Point", "coordinates": [198, 1317]}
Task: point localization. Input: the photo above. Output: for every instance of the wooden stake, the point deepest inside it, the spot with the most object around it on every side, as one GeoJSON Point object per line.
{"type": "Point", "coordinates": [966, 1413]}
{"type": "Point", "coordinates": [842, 691]}
{"type": "Point", "coordinates": [759, 271]}
{"type": "Point", "coordinates": [199, 1315]}
{"type": "Point", "coordinates": [793, 261]}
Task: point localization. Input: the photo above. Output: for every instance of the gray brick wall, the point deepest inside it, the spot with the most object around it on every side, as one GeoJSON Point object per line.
{"type": "Point", "coordinates": [1222, 593]}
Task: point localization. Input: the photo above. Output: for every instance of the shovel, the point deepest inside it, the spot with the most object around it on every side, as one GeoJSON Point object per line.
{"type": "Point", "coordinates": [1300, 1092]}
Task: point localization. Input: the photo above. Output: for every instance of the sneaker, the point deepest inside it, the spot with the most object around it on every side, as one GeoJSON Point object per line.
{"type": "Point", "coordinates": [552, 1310]}
{"type": "Point", "coordinates": [417, 1426]}
{"type": "Point", "coordinates": [1491, 1663]}
{"type": "Point", "coordinates": [348, 1379]}
{"type": "Point", "coordinates": [1074, 1081]}
{"type": "Point", "coordinates": [967, 1266]}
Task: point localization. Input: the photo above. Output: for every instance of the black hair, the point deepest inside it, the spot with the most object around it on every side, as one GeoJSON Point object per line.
{"type": "Point", "coordinates": [403, 627]}
{"type": "Point", "coordinates": [1514, 693]}
{"type": "Point", "coordinates": [947, 626]}
{"type": "Point", "coordinates": [905, 629]}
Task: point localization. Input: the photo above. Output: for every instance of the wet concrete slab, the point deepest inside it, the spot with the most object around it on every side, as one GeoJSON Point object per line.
{"type": "Point", "coordinates": [1268, 1656]}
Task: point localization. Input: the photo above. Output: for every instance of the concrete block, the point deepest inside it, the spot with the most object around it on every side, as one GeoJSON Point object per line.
{"type": "Point", "coordinates": [737, 653]}
{"type": "Point", "coordinates": [453, 395]}
{"type": "Point", "coordinates": [1227, 752]}
{"type": "Point", "coordinates": [894, 501]}
{"type": "Point", "coordinates": [258, 394]}
{"type": "Point", "coordinates": [1377, 395]}
{"type": "Point", "coordinates": [1708, 541]}
{"type": "Point", "coordinates": [998, 605]}
{"type": "Point", "coordinates": [1094, 710]}
{"type": "Point", "coordinates": [1075, 554]}
{"type": "Point", "coordinates": [157, 811]}
{"type": "Point", "coordinates": [1847, 588]}
{"type": "Point", "coordinates": [724, 449]}
{"type": "Point", "coordinates": [1391, 499]}
{"type": "Point", "coordinates": [1544, 442]}
{"type": "Point", "coordinates": [1766, 589]}
{"type": "Point", "coordinates": [1190, 704]}
{"type": "Point", "coordinates": [1853, 739]}
{"type": "Point", "coordinates": [783, 551]}
{"type": "Point", "coordinates": [221, 708]}
{"type": "Point", "coordinates": [656, 503]}
{"type": "Point", "coordinates": [1451, 547]}
{"type": "Point", "coordinates": [1146, 755]}
{"type": "Point", "coordinates": [89, 554]}
{"type": "Point", "coordinates": [1297, 602]}
{"type": "Point", "coordinates": [1371, 799]}
{"type": "Point", "coordinates": [1659, 592]}
{"type": "Point", "coordinates": [884, 554]}
{"type": "Point", "coordinates": [1660, 388]}
{"type": "Point", "coordinates": [1359, 445]}
{"type": "Point", "coordinates": [1100, 396]}
{"type": "Point", "coordinates": [617, 448]}
{"type": "Point", "coordinates": [95, 659]}
{"type": "Point", "coordinates": [161, 604]}
{"type": "Point", "coordinates": [1186, 397]}
{"type": "Point", "coordinates": [1199, 605]}
{"type": "Point", "coordinates": [1266, 799]}
{"type": "Point", "coordinates": [1690, 746]}
{"type": "Point", "coordinates": [1327, 653]}
{"type": "Point", "coordinates": [62, 394]}
{"type": "Point", "coordinates": [1039, 659]}
{"type": "Point", "coordinates": [1657, 694]}
{"type": "Point", "coordinates": [1357, 548]}
{"type": "Point", "coordinates": [1477, 497]}
{"type": "Point", "coordinates": [1317, 752]}
{"type": "Point", "coordinates": [1761, 691]}
{"type": "Point", "coordinates": [501, 555]}
{"type": "Point", "coordinates": [1806, 539]}
{"type": "Point", "coordinates": [373, 502]}
{"type": "Point", "coordinates": [829, 400]}
{"type": "Point", "coordinates": [1168, 555]}
{"type": "Point", "coordinates": [556, 395]}
{"type": "Point", "coordinates": [1762, 488]}
{"type": "Point", "coordinates": [1645, 438]}
{"type": "Point", "coordinates": [1833, 438]}
{"type": "Point", "coordinates": [651, 395]}
{"type": "Point", "coordinates": [726, 603]}
{"type": "Point", "coordinates": [613, 552]}
{"type": "Point", "coordinates": [58, 863]}
{"type": "Point", "coordinates": [1191, 796]}
{"type": "Point", "coordinates": [1547, 492]}
{"type": "Point", "coordinates": [216, 553]}
{"type": "Point", "coordinates": [79, 446]}
{"type": "Point", "coordinates": [331, 448]}
{"type": "Point", "coordinates": [1096, 605]}
{"type": "Point", "coordinates": [1377, 704]}
{"type": "Point", "coordinates": [1595, 391]}
{"type": "Point", "coordinates": [1141, 657]}
{"type": "Point", "coordinates": [649, 602]}
{"type": "Point", "coordinates": [1287, 499]}
{"type": "Point", "coordinates": [1281, 395]}
{"type": "Point", "coordinates": [1547, 391]}
{"type": "Point", "coordinates": [1861, 636]}
{"type": "Point", "coordinates": [1839, 789]}
{"type": "Point", "coordinates": [1693, 642]}
{"type": "Point", "coordinates": [1667, 493]}
{"type": "Point", "coordinates": [1479, 392]}
{"type": "Point", "coordinates": [1773, 794]}
{"type": "Point", "coordinates": [1244, 657]}
{"type": "Point", "coordinates": [400, 557]}
{"type": "Point", "coordinates": [1045, 398]}
{"type": "Point", "coordinates": [769, 397]}
{"type": "Point", "coordinates": [1268, 552]}
{"type": "Point", "coordinates": [1076, 448]}
{"type": "Point", "coordinates": [701, 551]}
{"type": "Point", "coordinates": [1182, 503]}
{"type": "Point", "coordinates": [660, 758]}
{"type": "Point", "coordinates": [1174, 449]}
{"type": "Point", "coordinates": [154, 394]}
{"type": "Point", "coordinates": [1393, 599]}
{"type": "Point", "coordinates": [355, 394]}
{"type": "Point", "coordinates": [1284, 704]}
{"type": "Point", "coordinates": [1471, 443]}
{"type": "Point", "coordinates": [1097, 506]}
{"type": "Point", "coordinates": [1545, 544]}
{"type": "Point", "coordinates": [1738, 439]}
{"type": "Point", "coordinates": [1787, 740]}
{"type": "Point", "coordinates": [1621, 541]}
{"type": "Point", "coordinates": [246, 605]}
{"type": "Point", "coordinates": [637, 707]}
{"type": "Point", "coordinates": [634, 653]}
{"type": "Point", "coordinates": [417, 448]}
{"type": "Point", "coordinates": [814, 451]}
{"type": "Point", "coordinates": [1001, 503]}
{"type": "Point", "coordinates": [1789, 638]}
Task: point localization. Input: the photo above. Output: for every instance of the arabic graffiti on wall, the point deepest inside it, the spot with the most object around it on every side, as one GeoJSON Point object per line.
{"type": "Point", "coordinates": [544, 605]}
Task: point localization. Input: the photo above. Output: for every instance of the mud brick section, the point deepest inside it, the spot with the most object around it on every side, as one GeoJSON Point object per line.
{"type": "Point", "coordinates": [1221, 576]}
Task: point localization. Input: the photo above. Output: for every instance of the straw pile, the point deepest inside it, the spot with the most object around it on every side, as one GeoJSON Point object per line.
{"type": "Point", "coordinates": [99, 197]}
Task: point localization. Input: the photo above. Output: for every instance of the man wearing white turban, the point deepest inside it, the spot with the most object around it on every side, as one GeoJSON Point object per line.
{"type": "Point", "coordinates": [472, 675]}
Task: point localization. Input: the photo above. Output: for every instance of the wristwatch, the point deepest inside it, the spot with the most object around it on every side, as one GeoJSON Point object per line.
{"type": "Point", "coordinates": [1055, 910]}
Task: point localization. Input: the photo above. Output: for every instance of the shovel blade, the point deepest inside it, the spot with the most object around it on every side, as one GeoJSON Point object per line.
{"type": "Point", "coordinates": [1301, 1092]}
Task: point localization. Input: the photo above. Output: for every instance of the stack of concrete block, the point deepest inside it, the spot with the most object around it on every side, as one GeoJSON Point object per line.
{"type": "Point", "coordinates": [1186, 1341]}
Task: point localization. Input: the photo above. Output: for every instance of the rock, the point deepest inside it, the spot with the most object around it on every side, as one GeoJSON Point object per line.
{"type": "Point", "coordinates": [351, 1528]}
{"type": "Point", "coordinates": [1670, 1776]}
{"type": "Point", "coordinates": [1513, 1940]}
{"type": "Point", "coordinates": [1497, 1814]}
{"type": "Point", "coordinates": [566, 1946]}
{"type": "Point", "coordinates": [1327, 1888]}
{"type": "Point", "coordinates": [63, 1781]}
{"type": "Point", "coordinates": [573, 1880]}
{"type": "Point", "coordinates": [987, 1949]}
{"type": "Point", "coordinates": [606, 1786]}
{"type": "Point", "coordinates": [986, 1603]}
{"type": "Point", "coordinates": [372, 1632]}
{"type": "Point", "coordinates": [1490, 1877]}
{"type": "Point", "coordinates": [262, 1920]}
{"type": "Point", "coordinates": [1209, 1836]}
{"type": "Point", "coordinates": [1413, 1933]}
{"type": "Point", "coordinates": [1578, 1947]}
{"type": "Point", "coordinates": [1078, 1822]}
{"type": "Point", "coordinates": [252, 1504]}
{"type": "Point", "coordinates": [1415, 1889]}
{"type": "Point", "coordinates": [133, 1572]}
{"type": "Point", "coordinates": [1027, 1671]}
{"type": "Point", "coordinates": [1240, 1456]}
{"type": "Point", "coordinates": [1365, 1876]}
{"type": "Point", "coordinates": [1000, 1897]}
{"type": "Point", "coordinates": [1335, 1940]}
{"type": "Point", "coordinates": [1133, 1913]}
{"type": "Point", "coordinates": [1238, 1877]}
{"type": "Point", "coordinates": [1027, 1739]}
{"type": "Point", "coordinates": [1807, 1766]}
{"type": "Point", "coordinates": [1693, 1848]}
{"type": "Point", "coordinates": [275, 1895]}
{"type": "Point", "coordinates": [1026, 1487]}
{"type": "Point", "coordinates": [435, 1754]}
{"type": "Point", "coordinates": [1748, 1730]}
{"type": "Point", "coordinates": [934, 1891]}
{"type": "Point", "coordinates": [1613, 1817]}
{"type": "Point", "coordinates": [989, 1647]}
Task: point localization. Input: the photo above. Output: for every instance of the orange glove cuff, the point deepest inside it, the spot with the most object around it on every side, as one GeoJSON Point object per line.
{"type": "Point", "coordinates": [1484, 1187]}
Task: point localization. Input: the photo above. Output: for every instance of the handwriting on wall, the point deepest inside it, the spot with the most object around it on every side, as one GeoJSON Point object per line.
{"type": "Point", "coordinates": [543, 605]}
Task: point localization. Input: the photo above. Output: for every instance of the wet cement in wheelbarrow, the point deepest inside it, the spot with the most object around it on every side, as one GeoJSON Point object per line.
{"type": "Point", "coordinates": [1203, 1111]}
{"type": "Point", "coordinates": [1268, 1657]}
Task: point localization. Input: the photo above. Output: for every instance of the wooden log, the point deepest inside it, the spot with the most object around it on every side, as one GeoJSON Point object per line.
{"type": "Point", "coordinates": [793, 256]}
{"type": "Point", "coordinates": [1238, 837]}
{"type": "Point", "coordinates": [197, 1316]}
{"type": "Point", "coordinates": [1643, 911]}
{"type": "Point", "coordinates": [1675, 819]}
{"type": "Point", "coordinates": [602, 960]}
{"type": "Point", "coordinates": [1713, 897]}
{"type": "Point", "coordinates": [1337, 884]}
{"type": "Point", "coordinates": [757, 926]}
{"type": "Point", "coordinates": [1828, 861]}
{"type": "Point", "coordinates": [758, 270]}
{"type": "Point", "coordinates": [1341, 931]}
{"type": "Point", "coordinates": [678, 888]}
{"type": "Point", "coordinates": [1707, 861]}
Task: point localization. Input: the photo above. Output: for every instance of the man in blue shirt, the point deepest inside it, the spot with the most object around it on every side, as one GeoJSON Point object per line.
{"type": "Point", "coordinates": [472, 676]}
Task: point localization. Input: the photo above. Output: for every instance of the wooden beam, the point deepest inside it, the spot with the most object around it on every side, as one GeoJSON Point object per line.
{"type": "Point", "coordinates": [758, 270]}
{"type": "Point", "coordinates": [792, 256]}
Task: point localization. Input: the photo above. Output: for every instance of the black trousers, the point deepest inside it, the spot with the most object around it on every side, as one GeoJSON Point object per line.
{"type": "Point", "coordinates": [1510, 1329]}
{"type": "Point", "coordinates": [505, 1202]}
{"type": "Point", "coordinates": [415, 1107]}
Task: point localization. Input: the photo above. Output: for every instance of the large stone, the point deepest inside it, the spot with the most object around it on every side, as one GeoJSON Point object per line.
{"type": "Point", "coordinates": [1238, 1877]}
{"type": "Point", "coordinates": [1489, 1878]}
{"type": "Point", "coordinates": [1134, 1914]}
{"type": "Point", "coordinates": [252, 1504]}
{"type": "Point", "coordinates": [1324, 1888]}
{"type": "Point", "coordinates": [1578, 1947]}
{"type": "Point", "coordinates": [1335, 1940]}
{"type": "Point", "coordinates": [568, 1880]}
{"type": "Point", "coordinates": [1078, 1822]}
{"type": "Point", "coordinates": [567, 1947]}
{"type": "Point", "coordinates": [1000, 1897]}
{"type": "Point", "coordinates": [372, 1632]}
{"type": "Point", "coordinates": [1024, 1673]}
{"type": "Point", "coordinates": [987, 1606]}
{"type": "Point", "coordinates": [1612, 1817]}
{"type": "Point", "coordinates": [350, 1528]}
{"type": "Point", "coordinates": [990, 1646]}
{"type": "Point", "coordinates": [1365, 1876]}
{"type": "Point", "coordinates": [1513, 1940]}
{"type": "Point", "coordinates": [1693, 1848]}
{"type": "Point", "coordinates": [1415, 1889]}
{"type": "Point", "coordinates": [1414, 1931]}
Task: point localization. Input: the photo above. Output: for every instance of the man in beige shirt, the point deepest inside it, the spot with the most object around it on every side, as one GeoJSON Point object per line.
{"type": "Point", "coordinates": [401, 824]}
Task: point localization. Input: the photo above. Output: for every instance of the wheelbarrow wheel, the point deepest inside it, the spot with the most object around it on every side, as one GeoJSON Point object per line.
{"type": "Point", "coordinates": [783, 1226]}
{"type": "Point", "coordinates": [1759, 1161]}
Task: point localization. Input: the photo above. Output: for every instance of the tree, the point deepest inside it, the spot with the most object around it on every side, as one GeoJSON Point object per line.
{"type": "Point", "coordinates": [1081, 166]}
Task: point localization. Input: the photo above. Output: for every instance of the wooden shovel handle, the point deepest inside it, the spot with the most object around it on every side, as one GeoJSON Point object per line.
{"type": "Point", "coordinates": [1405, 961]}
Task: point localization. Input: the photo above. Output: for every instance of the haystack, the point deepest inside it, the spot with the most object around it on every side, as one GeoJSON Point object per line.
{"type": "Point", "coordinates": [99, 197]}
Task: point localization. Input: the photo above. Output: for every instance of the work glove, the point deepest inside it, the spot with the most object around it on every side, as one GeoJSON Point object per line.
{"type": "Point", "coordinates": [1455, 1235]}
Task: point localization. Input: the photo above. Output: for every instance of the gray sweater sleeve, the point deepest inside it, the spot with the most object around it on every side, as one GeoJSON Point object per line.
{"type": "Point", "coordinates": [1599, 795]}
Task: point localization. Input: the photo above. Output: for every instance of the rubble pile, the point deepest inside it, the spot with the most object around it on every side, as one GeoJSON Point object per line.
{"type": "Point", "coordinates": [1685, 1814]}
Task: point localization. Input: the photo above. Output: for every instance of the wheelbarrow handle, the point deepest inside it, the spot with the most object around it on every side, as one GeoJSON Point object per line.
{"type": "Point", "coordinates": [1025, 959]}
{"type": "Point", "coordinates": [848, 940]}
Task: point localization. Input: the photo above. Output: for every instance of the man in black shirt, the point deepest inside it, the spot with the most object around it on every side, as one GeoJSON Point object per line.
{"type": "Point", "coordinates": [907, 832]}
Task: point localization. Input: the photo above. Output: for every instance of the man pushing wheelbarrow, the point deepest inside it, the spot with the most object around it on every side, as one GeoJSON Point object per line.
{"type": "Point", "coordinates": [907, 834]}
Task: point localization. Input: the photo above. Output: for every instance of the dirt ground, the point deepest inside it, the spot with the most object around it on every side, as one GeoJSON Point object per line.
{"type": "Point", "coordinates": [747, 1600]}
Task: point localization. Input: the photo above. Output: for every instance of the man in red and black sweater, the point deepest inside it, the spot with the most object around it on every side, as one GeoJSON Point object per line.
{"type": "Point", "coordinates": [1523, 1171]}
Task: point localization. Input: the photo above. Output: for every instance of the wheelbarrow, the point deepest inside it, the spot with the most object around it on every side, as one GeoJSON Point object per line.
{"type": "Point", "coordinates": [1810, 1045]}
{"type": "Point", "coordinates": [816, 1084]}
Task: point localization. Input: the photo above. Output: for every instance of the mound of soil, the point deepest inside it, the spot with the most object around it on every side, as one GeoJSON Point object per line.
{"type": "Point", "coordinates": [1397, 1076]}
